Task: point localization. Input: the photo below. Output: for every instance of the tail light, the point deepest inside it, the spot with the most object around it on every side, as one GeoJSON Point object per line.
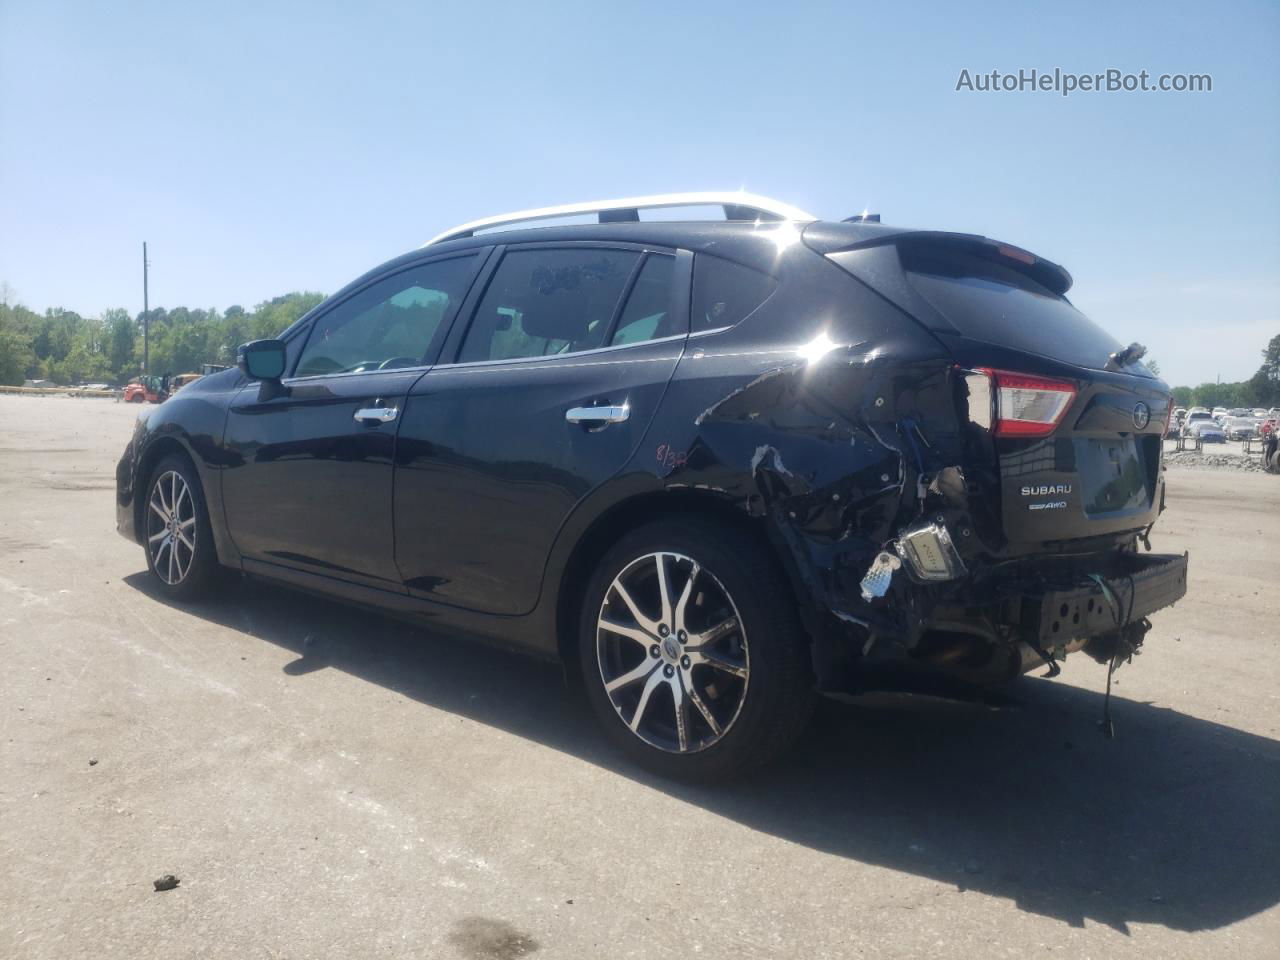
{"type": "Point", "coordinates": [1027, 406]}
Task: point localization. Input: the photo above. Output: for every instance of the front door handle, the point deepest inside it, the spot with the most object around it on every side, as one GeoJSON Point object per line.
{"type": "Point", "coordinates": [598, 415]}
{"type": "Point", "coordinates": [380, 414]}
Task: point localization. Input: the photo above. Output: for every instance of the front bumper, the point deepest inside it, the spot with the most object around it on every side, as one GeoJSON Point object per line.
{"type": "Point", "coordinates": [125, 513]}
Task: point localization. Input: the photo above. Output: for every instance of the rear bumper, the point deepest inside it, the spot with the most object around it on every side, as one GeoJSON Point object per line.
{"type": "Point", "coordinates": [1136, 587]}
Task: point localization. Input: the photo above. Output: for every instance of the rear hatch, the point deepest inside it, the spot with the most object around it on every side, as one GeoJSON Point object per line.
{"type": "Point", "coordinates": [1075, 439]}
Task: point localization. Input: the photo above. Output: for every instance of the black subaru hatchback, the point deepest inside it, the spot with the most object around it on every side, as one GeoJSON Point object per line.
{"type": "Point", "coordinates": [716, 467]}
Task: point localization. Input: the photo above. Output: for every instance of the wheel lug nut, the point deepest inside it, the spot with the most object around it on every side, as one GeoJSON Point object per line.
{"type": "Point", "coordinates": [682, 637]}
{"type": "Point", "coordinates": [684, 662]}
{"type": "Point", "coordinates": [668, 670]}
{"type": "Point", "coordinates": [663, 630]}
{"type": "Point", "coordinates": [653, 651]}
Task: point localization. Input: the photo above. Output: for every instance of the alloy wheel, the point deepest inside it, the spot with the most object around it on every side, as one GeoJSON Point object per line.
{"type": "Point", "coordinates": [674, 664]}
{"type": "Point", "coordinates": [171, 527]}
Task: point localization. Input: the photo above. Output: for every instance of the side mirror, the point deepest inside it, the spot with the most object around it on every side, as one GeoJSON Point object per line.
{"type": "Point", "coordinates": [261, 359]}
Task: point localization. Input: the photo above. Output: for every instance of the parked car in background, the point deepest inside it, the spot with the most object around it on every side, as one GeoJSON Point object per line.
{"type": "Point", "coordinates": [91, 390]}
{"type": "Point", "coordinates": [1196, 415]}
{"type": "Point", "coordinates": [1240, 428]}
{"type": "Point", "coordinates": [713, 467]}
{"type": "Point", "coordinates": [1207, 430]}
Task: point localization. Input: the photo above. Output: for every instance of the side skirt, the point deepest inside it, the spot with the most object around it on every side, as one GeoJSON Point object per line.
{"type": "Point", "coordinates": [527, 634]}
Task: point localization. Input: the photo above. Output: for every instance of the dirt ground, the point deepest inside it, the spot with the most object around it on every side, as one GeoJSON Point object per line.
{"type": "Point", "coordinates": [326, 783]}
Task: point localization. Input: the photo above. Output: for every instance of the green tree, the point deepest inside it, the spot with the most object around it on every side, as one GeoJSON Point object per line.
{"type": "Point", "coordinates": [80, 365]}
{"type": "Point", "coordinates": [122, 340]}
{"type": "Point", "coordinates": [272, 317]}
{"type": "Point", "coordinates": [16, 356]}
{"type": "Point", "coordinates": [1264, 386]}
{"type": "Point", "coordinates": [66, 347]}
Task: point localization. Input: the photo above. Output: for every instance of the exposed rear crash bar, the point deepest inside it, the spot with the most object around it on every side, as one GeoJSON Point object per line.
{"type": "Point", "coordinates": [1139, 586]}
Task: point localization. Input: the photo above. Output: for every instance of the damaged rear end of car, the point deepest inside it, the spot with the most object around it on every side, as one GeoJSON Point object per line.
{"type": "Point", "coordinates": [958, 467]}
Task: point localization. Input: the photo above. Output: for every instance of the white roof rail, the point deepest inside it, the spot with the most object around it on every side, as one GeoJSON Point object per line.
{"type": "Point", "coordinates": [737, 206]}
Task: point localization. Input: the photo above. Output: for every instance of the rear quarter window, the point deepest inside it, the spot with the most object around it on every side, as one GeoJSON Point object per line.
{"type": "Point", "coordinates": [725, 293]}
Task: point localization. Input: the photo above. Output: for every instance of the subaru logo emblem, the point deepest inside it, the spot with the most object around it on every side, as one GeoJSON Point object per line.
{"type": "Point", "coordinates": [1141, 416]}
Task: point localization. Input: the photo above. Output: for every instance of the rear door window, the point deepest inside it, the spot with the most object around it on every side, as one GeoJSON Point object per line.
{"type": "Point", "coordinates": [647, 315]}
{"type": "Point", "coordinates": [725, 292]}
{"type": "Point", "coordinates": [548, 302]}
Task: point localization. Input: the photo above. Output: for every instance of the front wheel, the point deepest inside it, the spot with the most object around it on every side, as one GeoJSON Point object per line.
{"type": "Point", "coordinates": [691, 650]}
{"type": "Point", "coordinates": [178, 540]}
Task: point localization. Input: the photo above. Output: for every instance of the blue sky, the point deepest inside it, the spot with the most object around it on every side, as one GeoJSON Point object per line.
{"type": "Point", "coordinates": [267, 147]}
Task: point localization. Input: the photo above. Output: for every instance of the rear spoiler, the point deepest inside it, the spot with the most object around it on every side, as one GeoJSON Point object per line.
{"type": "Point", "coordinates": [828, 238]}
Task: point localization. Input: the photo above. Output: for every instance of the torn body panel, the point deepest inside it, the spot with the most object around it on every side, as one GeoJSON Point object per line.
{"type": "Point", "coordinates": [869, 442]}
{"type": "Point", "coordinates": [836, 451]}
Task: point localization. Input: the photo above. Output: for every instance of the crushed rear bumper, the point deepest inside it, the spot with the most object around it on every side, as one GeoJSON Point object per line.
{"type": "Point", "coordinates": [998, 623]}
{"type": "Point", "coordinates": [1094, 604]}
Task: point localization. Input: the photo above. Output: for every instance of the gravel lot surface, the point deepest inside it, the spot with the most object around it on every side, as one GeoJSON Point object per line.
{"type": "Point", "coordinates": [326, 783]}
{"type": "Point", "coordinates": [1216, 456]}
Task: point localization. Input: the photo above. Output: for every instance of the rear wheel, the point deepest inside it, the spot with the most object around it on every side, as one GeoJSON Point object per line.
{"type": "Point", "coordinates": [692, 653]}
{"type": "Point", "coordinates": [177, 538]}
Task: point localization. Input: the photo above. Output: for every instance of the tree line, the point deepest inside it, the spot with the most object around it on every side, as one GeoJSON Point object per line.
{"type": "Point", "coordinates": [1260, 390]}
{"type": "Point", "coordinates": [67, 348]}
{"type": "Point", "coordinates": [62, 346]}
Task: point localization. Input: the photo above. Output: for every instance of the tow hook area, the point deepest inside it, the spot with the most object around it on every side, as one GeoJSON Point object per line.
{"type": "Point", "coordinates": [1114, 649]}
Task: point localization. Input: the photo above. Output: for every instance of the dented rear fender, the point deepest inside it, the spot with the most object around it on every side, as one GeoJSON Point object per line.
{"type": "Point", "coordinates": [834, 445]}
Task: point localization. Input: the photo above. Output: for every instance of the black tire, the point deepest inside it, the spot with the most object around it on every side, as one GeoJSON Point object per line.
{"type": "Point", "coordinates": [761, 713]}
{"type": "Point", "coordinates": [197, 575]}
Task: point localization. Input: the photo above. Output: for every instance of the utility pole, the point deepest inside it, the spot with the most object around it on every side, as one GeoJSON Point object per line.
{"type": "Point", "coordinates": [146, 310]}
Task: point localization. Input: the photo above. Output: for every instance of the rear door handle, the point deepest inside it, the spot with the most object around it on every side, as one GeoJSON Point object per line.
{"type": "Point", "coordinates": [380, 414]}
{"type": "Point", "coordinates": [598, 415]}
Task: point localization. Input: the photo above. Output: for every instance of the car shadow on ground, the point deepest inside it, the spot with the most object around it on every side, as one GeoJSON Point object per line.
{"type": "Point", "coordinates": [1173, 823]}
